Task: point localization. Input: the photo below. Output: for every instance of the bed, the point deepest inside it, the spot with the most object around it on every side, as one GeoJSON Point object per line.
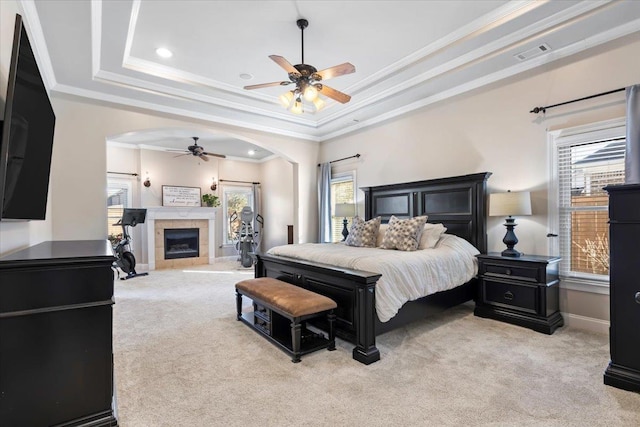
{"type": "Point", "coordinates": [459, 203]}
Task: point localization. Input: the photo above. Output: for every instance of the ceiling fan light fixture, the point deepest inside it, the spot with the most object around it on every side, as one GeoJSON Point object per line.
{"type": "Point", "coordinates": [286, 98]}
{"type": "Point", "coordinates": [297, 107]}
{"type": "Point", "coordinates": [310, 93]}
{"type": "Point", "coordinates": [318, 103]}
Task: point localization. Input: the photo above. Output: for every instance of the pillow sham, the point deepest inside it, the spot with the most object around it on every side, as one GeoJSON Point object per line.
{"type": "Point", "coordinates": [431, 233]}
{"type": "Point", "coordinates": [363, 233]}
{"type": "Point", "coordinates": [403, 234]}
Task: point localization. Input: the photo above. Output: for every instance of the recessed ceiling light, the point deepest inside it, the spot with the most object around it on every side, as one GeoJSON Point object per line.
{"type": "Point", "coordinates": [251, 152]}
{"type": "Point", "coordinates": [163, 52]}
{"type": "Point", "coordinates": [246, 76]}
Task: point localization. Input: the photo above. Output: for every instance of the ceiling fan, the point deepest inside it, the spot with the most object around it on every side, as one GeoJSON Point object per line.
{"type": "Point", "coordinates": [198, 151]}
{"type": "Point", "coordinates": [308, 80]}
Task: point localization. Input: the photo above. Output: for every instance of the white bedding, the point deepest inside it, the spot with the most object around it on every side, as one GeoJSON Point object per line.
{"type": "Point", "coordinates": [406, 276]}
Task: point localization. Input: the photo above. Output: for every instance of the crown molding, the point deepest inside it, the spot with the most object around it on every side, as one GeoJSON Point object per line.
{"type": "Point", "coordinates": [100, 96]}
{"type": "Point", "coordinates": [589, 42]}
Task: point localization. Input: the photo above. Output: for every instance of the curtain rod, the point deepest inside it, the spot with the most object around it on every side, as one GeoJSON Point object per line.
{"type": "Point", "coordinates": [544, 109]}
{"type": "Point", "coordinates": [241, 182]}
{"type": "Point", "coordinates": [124, 173]}
{"type": "Point", "coordinates": [357, 156]}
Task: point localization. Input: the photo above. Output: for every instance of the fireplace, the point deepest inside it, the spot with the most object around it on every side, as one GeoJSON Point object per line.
{"type": "Point", "coordinates": [181, 243]}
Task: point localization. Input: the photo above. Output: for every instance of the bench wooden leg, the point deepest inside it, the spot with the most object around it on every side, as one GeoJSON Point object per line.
{"type": "Point", "coordinates": [296, 332]}
{"type": "Point", "coordinates": [238, 305]}
{"type": "Point", "coordinates": [332, 335]}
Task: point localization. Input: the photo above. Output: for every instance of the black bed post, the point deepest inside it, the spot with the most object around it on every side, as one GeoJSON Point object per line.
{"type": "Point", "coordinates": [367, 202]}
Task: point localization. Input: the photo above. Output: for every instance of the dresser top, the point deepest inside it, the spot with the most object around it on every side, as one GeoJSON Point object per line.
{"type": "Point", "coordinates": [61, 250]}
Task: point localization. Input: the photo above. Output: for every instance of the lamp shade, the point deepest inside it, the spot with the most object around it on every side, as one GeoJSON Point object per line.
{"type": "Point", "coordinates": [345, 210]}
{"type": "Point", "coordinates": [510, 203]}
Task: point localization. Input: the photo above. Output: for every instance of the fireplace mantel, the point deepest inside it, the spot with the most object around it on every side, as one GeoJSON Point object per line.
{"type": "Point", "coordinates": [178, 213]}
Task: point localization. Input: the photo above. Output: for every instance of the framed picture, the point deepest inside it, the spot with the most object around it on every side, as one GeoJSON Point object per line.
{"type": "Point", "coordinates": [180, 196]}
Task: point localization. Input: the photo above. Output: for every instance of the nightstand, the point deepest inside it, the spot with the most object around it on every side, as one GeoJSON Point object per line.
{"type": "Point", "coordinates": [523, 291]}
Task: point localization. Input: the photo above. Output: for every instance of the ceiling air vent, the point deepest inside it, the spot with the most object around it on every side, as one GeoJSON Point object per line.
{"type": "Point", "coordinates": [538, 50]}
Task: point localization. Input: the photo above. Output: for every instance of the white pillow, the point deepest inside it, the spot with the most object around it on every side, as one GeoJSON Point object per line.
{"type": "Point", "coordinates": [383, 229]}
{"type": "Point", "coordinates": [430, 235]}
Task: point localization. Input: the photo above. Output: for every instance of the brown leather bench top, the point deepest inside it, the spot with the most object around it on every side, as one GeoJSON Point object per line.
{"type": "Point", "coordinates": [289, 299]}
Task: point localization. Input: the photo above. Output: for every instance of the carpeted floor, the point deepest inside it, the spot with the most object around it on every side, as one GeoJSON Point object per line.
{"type": "Point", "coordinates": [181, 359]}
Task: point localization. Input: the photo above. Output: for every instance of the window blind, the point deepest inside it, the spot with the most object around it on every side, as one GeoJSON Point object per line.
{"type": "Point", "coordinates": [342, 191]}
{"type": "Point", "coordinates": [584, 169]}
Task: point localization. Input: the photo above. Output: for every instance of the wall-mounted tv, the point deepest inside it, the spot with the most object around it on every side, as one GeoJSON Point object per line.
{"type": "Point", "coordinates": [27, 136]}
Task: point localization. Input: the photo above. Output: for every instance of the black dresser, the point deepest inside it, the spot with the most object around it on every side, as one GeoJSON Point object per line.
{"type": "Point", "coordinates": [56, 356]}
{"type": "Point", "coordinates": [624, 293]}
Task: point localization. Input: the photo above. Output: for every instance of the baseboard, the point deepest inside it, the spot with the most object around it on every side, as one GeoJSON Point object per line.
{"type": "Point", "coordinates": [584, 323]}
{"type": "Point", "coordinates": [140, 268]}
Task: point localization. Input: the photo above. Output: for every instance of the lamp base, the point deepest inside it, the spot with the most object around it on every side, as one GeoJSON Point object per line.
{"type": "Point", "coordinates": [510, 239]}
{"type": "Point", "coordinates": [511, 253]}
{"type": "Point", "coordinates": [345, 230]}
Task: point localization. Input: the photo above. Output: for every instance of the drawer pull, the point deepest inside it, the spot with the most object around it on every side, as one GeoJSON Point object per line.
{"type": "Point", "coordinates": [508, 271]}
{"type": "Point", "coordinates": [638, 297]}
{"type": "Point", "coordinates": [508, 295]}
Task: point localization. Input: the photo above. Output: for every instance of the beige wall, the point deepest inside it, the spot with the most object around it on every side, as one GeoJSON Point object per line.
{"type": "Point", "coordinates": [492, 130]}
{"type": "Point", "coordinates": [79, 165]}
{"type": "Point", "coordinates": [16, 235]}
{"type": "Point", "coordinates": [277, 202]}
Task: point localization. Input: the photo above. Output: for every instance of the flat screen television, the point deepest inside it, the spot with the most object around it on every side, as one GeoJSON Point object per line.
{"type": "Point", "coordinates": [27, 136]}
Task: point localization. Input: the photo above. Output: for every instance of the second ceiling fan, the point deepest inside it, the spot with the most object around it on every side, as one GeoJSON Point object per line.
{"type": "Point", "coordinates": [308, 80]}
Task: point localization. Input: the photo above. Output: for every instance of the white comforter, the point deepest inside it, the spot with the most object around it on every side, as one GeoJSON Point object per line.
{"type": "Point", "coordinates": [406, 276]}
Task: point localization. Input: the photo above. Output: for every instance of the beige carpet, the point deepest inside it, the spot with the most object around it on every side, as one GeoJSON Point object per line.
{"type": "Point", "coordinates": [181, 359]}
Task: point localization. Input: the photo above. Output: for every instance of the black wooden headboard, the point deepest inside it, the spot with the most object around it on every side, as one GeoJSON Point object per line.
{"type": "Point", "coordinates": [458, 202]}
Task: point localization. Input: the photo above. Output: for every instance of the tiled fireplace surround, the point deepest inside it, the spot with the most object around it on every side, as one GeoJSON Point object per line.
{"type": "Point", "coordinates": [161, 218]}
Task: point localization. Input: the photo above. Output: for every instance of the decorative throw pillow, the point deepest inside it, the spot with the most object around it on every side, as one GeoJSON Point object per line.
{"type": "Point", "coordinates": [403, 234]}
{"type": "Point", "coordinates": [430, 235]}
{"type": "Point", "coordinates": [363, 233]}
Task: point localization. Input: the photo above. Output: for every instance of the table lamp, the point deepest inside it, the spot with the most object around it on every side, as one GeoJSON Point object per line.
{"type": "Point", "coordinates": [509, 204]}
{"type": "Point", "coordinates": [345, 210]}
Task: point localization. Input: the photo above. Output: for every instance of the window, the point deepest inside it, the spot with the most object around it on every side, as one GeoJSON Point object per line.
{"type": "Point", "coordinates": [118, 198]}
{"type": "Point", "coordinates": [343, 190]}
{"type": "Point", "coordinates": [233, 200]}
{"type": "Point", "coordinates": [585, 160]}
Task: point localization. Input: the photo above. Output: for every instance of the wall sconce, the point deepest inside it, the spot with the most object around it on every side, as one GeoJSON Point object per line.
{"type": "Point", "coordinates": [147, 181]}
{"type": "Point", "coordinates": [214, 184]}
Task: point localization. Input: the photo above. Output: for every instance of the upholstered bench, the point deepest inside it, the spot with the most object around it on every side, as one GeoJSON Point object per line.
{"type": "Point", "coordinates": [280, 313]}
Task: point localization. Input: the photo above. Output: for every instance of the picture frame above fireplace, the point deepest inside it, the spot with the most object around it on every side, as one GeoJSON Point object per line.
{"type": "Point", "coordinates": [180, 196]}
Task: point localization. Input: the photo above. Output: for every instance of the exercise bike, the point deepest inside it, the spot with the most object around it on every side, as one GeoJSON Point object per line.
{"type": "Point", "coordinates": [125, 260]}
{"type": "Point", "coordinates": [247, 240]}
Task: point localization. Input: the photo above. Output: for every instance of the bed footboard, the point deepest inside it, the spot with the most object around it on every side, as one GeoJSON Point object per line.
{"type": "Point", "coordinates": [354, 291]}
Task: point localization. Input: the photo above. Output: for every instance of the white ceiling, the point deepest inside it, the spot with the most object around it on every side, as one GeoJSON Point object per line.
{"type": "Point", "coordinates": [407, 54]}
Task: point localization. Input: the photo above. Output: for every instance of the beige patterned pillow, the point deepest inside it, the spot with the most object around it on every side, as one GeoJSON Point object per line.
{"type": "Point", "coordinates": [363, 233]}
{"type": "Point", "coordinates": [403, 234]}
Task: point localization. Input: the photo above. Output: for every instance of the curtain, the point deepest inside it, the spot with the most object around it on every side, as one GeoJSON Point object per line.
{"type": "Point", "coordinates": [324, 203]}
{"type": "Point", "coordinates": [632, 157]}
{"type": "Point", "coordinates": [257, 210]}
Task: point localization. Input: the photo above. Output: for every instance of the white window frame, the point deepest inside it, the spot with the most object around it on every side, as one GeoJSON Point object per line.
{"type": "Point", "coordinates": [121, 183]}
{"type": "Point", "coordinates": [569, 136]}
{"type": "Point", "coordinates": [344, 176]}
{"type": "Point", "coordinates": [239, 188]}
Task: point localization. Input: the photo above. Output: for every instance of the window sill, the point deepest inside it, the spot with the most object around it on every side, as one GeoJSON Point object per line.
{"type": "Point", "coordinates": [585, 285]}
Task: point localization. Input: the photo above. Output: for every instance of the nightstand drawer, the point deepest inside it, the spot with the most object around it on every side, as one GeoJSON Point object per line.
{"type": "Point", "coordinates": [520, 272]}
{"type": "Point", "coordinates": [511, 295]}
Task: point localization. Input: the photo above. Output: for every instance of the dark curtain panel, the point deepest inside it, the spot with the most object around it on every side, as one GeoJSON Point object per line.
{"type": "Point", "coordinates": [632, 155]}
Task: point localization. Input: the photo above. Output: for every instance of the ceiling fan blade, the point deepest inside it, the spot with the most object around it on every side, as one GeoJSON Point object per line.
{"type": "Point", "coordinates": [176, 151]}
{"type": "Point", "coordinates": [203, 157]}
{"type": "Point", "coordinates": [336, 71]}
{"type": "Point", "coordinates": [335, 94]}
{"type": "Point", "coordinates": [180, 155]}
{"type": "Point", "coordinates": [267, 85]}
{"type": "Point", "coordinates": [222, 156]}
{"type": "Point", "coordinates": [284, 64]}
